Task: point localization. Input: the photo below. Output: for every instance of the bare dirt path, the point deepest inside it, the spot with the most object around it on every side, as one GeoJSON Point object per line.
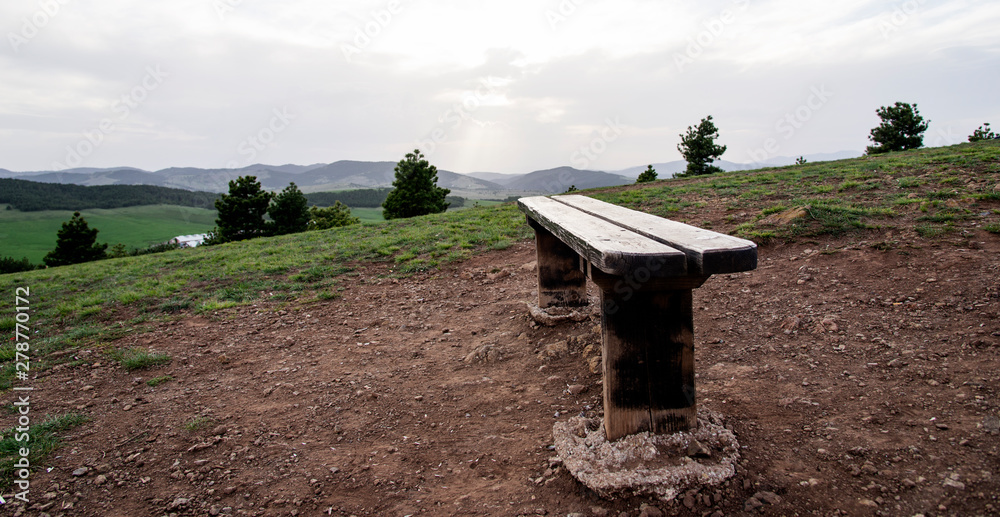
{"type": "Point", "coordinates": [859, 381]}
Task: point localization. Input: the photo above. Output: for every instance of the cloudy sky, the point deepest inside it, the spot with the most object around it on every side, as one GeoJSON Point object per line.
{"type": "Point", "coordinates": [483, 85]}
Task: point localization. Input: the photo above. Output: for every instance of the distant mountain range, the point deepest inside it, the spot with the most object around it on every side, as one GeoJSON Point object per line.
{"type": "Point", "coordinates": [347, 174]}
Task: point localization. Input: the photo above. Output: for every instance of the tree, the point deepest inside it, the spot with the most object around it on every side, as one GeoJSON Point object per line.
{"type": "Point", "coordinates": [902, 128]}
{"type": "Point", "coordinates": [331, 217]}
{"type": "Point", "coordinates": [289, 212]}
{"type": "Point", "coordinates": [699, 149]}
{"type": "Point", "coordinates": [983, 132]}
{"type": "Point", "coordinates": [76, 242]}
{"type": "Point", "coordinates": [241, 211]}
{"type": "Point", "coordinates": [12, 265]}
{"type": "Point", "coordinates": [647, 175]}
{"type": "Point", "coordinates": [801, 160]}
{"type": "Point", "coordinates": [415, 191]}
{"type": "Point", "coordinates": [572, 188]}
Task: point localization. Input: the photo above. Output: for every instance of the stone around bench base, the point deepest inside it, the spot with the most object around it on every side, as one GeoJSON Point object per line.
{"type": "Point", "coordinates": [661, 465]}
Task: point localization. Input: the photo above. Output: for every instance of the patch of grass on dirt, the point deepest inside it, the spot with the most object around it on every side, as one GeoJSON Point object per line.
{"type": "Point", "coordinates": [198, 423]}
{"type": "Point", "coordinates": [137, 358]}
{"type": "Point", "coordinates": [40, 440]}
{"type": "Point", "coordinates": [156, 381]}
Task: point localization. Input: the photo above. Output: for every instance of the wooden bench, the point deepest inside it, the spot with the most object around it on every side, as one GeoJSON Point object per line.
{"type": "Point", "coordinates": [646, 268]}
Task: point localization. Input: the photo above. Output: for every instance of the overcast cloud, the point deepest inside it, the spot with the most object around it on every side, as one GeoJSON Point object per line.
{"type": "Point", "coordinates": [504, 86]}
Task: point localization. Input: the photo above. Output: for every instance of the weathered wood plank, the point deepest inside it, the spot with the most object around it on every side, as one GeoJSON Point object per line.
{"type": "Point", "coordinates": [708, 252]}
{"type": "Point", "coordinates": [609, 247]}
{"type": "Point", "coordinates": [648, 369]}
{"type": "Point", "coordinates": [560, 280]}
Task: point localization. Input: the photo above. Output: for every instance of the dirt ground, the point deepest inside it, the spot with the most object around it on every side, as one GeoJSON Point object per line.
{"type": "Point", "coordinates": [859, 380]}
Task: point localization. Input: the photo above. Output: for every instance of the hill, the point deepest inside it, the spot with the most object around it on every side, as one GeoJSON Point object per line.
{"type": "Point", "coordinates": [555, 181]}
{"type": "Point", "coordinates": [29, 196]}
{"type": "Point", "coordinates": [33, 234]}
{"type": "Point", "coordinates": [392, 369]}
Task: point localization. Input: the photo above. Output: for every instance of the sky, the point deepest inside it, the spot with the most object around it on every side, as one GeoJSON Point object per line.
{"type": "Point", "coordinates": [506, 86]}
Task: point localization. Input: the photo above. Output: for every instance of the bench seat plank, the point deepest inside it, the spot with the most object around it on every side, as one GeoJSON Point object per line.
{"type": "Point", "coordinates": [708, 252]}
{"type": "Point", "coordinates": [609, 247]}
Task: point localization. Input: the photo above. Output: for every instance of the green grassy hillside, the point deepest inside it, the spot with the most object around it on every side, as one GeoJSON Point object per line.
{"type": "Point", "coordinates": [922, 196]}
{"type": "Point", "coordinates": [929, 192]}
{"type": "Point", "coordinates": [33, 234]}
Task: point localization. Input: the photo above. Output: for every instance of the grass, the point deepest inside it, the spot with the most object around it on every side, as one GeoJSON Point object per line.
{"type": "Point", "coordinates": [41, 440]}
{"type": "Point", "coordinates": [33, 234]}
{"type": "Point", "coordinates": [137, 358]}
{"type": "Point", "coordinates": [949, 185]}
{"type": "Point", "coordinates": [156, 381]}
{"type": "Point", "coordinates": [198, 423]}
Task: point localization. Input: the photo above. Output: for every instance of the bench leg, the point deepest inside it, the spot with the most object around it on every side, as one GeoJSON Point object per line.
{"type": "Point", "coordinates": [560, 280]}
{"type": "Point", "coordinates": [648, 361]}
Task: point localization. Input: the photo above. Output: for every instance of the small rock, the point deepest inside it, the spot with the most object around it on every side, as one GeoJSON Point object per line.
{"type": "Point", "coordinates": [554, 350]}
{"type": "Point", "coordinates": [576, 389]}
{"type": "Point", "coordinates": [575, 514]}
{"type": "Point", "coordinates": [954, 484]}
{"type": "Point", "coordinates": [180, 502]}
{"type": "Point", "coordinates": [219, 430]}
{"type": "Point", "coordinates": [597, 511]}
{"type": "Point", "coordinates": [697, 450]}
{"type": "Point", "coordinates": [752, 504]}
{"type": "Point", "coordinates": [689, 501]}
{"type": "Point", "coordinates": [868, 502]}
{"type": "Point", "coordinates": [483, 354]}
{"type": "Point", "coordinates": [791, 324]}
{"type": "Point", "coordinates": [82, 471]}
{"type": "Point", "coordinates": [650, 511]}
{"type": "Point", "coordinates": [100, 480]}
{"type": "Point", "coordinates": [768, 497]}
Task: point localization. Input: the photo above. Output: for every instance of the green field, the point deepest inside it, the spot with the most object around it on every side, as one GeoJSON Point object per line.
{"type": "Point", "coordinates": [368, 215]}
{"type": "Point", "coordinates": [33, 234]}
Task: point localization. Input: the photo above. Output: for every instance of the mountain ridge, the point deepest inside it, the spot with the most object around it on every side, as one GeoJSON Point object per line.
{"type": "Point", "coordinates": [356, 174]}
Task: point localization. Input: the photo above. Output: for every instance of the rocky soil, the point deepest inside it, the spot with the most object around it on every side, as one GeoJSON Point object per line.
{"type": "Point", "coordinates": [860, 379]}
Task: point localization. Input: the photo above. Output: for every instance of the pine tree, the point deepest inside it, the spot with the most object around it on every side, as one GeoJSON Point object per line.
{"type": "Point", "coordinates": [902, 128]}
{"type": "Point", "coordinates": [647, 175]}
{"type": "Point", "coordinates": [699, 149]}
{"type": "Point", "coordinates": [331, 217]}
{"type": "Point", "coordinates": [241, 211]}
{"type": "Point", "coordinates": [415, 189]}
{"type": "Point", "coordinates": [981, 133]}
{"type": "Point", "coordinates": [76, 242]}
{"type": "Point", "coordinates": [289, 212]}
